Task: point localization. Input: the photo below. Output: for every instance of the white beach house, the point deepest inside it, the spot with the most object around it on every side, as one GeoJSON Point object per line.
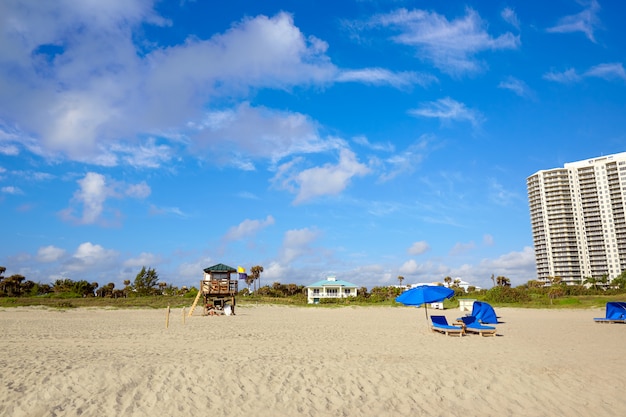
{"type": "Point", "coordinates": [330, 287]}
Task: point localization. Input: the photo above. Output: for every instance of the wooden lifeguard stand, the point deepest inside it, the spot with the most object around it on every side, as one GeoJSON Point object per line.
{"type": "Point", "coordinates": [217, 289]}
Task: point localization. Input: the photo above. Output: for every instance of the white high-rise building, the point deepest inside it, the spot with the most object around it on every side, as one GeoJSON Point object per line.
{"type": "Point", "coordinates": [578, 219]}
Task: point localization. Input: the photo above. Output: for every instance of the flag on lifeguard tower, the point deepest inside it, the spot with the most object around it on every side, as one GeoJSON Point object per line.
{"type": "Point", "coordinates": [242, 272]}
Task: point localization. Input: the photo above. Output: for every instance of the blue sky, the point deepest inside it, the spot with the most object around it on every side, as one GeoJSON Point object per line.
{"type": "Point", "coordinates": [364, 139]}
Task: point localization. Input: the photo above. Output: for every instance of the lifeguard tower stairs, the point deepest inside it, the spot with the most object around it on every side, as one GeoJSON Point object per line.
{"type": "Point", "coordinates": [217, 289]}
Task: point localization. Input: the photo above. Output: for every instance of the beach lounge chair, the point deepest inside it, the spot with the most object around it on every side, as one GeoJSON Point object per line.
{"type": "Point", "coordinates": [440, 325]}
{"type": "Point", "coordinates": [472, 325]}
{"type": "Point", "coordinates": [615, 313]}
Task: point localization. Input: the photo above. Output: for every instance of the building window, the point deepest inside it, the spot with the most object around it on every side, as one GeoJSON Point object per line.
{"type": "Point", "coordinates": [347, 291]}
{"type": "Point", "coordinates": [316, 291]}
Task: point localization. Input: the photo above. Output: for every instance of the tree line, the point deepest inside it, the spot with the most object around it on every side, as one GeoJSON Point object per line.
{"type": "Point", "coordinates": [146, 283]}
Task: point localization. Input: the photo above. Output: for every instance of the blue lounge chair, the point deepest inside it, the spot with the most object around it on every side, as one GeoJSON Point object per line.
{"type": "Point", "coordinates": [615, 313]}
{"type": "Point", "coordinates": [440, 325]}
{"type": "Point", "coordinates": [472, 325]}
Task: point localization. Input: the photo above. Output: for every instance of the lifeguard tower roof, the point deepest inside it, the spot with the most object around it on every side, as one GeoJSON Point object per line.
{"type": "Point", "coordinates": [220, 268]}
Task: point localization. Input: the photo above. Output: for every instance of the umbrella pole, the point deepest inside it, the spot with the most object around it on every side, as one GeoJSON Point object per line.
{"type": "Point", "coordinates": [426, 311]}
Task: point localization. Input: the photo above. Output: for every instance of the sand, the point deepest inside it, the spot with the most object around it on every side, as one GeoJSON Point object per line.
{"type": "Point", "coordinates": [295, 361]}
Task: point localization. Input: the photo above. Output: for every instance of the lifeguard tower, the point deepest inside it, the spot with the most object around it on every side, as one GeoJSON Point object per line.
{"type": "Point", "coordinates": [217, 289]}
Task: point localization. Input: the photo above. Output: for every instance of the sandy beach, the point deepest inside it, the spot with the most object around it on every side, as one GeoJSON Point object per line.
{"type": "Point", "coordinates": [295, 361]}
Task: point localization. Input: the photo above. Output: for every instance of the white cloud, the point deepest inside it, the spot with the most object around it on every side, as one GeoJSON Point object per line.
{"type": "Point", "coordinates": [258, 132]}
{"type": "Point", "coordinates": [418, 248]}
{"type": "Point", "coordinates": [276, 272]}
{"type": "Point", "coordinates": [248, 228]}
{"type": "Point", "coordinates": [407, 160]}
{"type": "Point", "coordinates": [409, 267]}
{"type": "Point", "coordinates": [517, 86]}
{"type": "Point", "coordinates": [50, 254]}
{"type": "Point", "coordinates": [452, 46]}
{"type": "Point", "coordinates": [145, 155]}
{"type": "Point", "coordinates": [510, 17]}
{"type": "Point", "coordinates": [93, 192]}
{"type": "Point", "coordinates": [192, 271]}
{"type": "Point", "coordinates": [167, 210]}
{"type": "Point", "coordinates": [500, 195]}
{"type": "Point", "coordinates": [8, 149]}
{"type": "Point", "coordinates": [424, 272]}
{"type": "Point", "coordinates": [9, 189]}
{"type": "Point", "coordinates": [296, 244]}
{"type": "Point", "coordinates": [381, 76]}
{"type": "Point", "coordinates": [519, 267]}
{"type": "Point", "coordinates": [447, 109]}
{"type": "Point", "coordinates": [513, 261]}
{"type": "Point", "coordinates": [586, 21]}
{"type": "Point", "coordinates": [329, 179]}
{"type": "Point", "coordinates": [319, 181]}
{"type": "Point", "coordinates": [488, 240]}
{"type": "Point", "coordinates": [247, 195]}
{"type": "Point", "coordinates": [569, 76]}
{"type": "Point", "coordinates": [83, 77]}
{"type": "Point", "coordinates": [140, 190]}
{"type": "Point", "coordinates": [363, 141]}
{"type": "Point", "coordinates": [607, 71]}
{"type": "Point", "coordinates": [9, 138]}
{"type": "Point", "coordinates": [460, 248]}
{"type": "Point", "coordinates": [89, 257]}
{"type": "Point", "coordinates": [149, 260]}
{"type": "Point", "coordinates": [34, 175]}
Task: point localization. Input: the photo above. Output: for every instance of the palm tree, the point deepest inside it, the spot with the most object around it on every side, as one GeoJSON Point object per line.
{"type": "Point", "coordinates": [503, 281]}
{"type": "Point", "coordinates": [249, 281]}
{"type": "Point", "coordinates": [447, 280]}
{"type": "Point", "coordinates": [256, 274]}
{"type": "Point", "coordinates": [127, 287]}
{"type": "Point", "coordinates": [292, 289]}
{"type": "Point", "coordinates": [400, 279]}
{"type": "Point", "coordinates": [12, 286]}
{"type": "Point", "coordinates": [2, 271]}
{"type": "Point", "coordinates": [604, 281]}
{"type": "Point", "coordinates": [592, 282]}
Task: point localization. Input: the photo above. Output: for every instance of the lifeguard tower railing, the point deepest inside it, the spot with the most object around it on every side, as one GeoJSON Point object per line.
{"type": "Point", "coordinates": [219, 287]}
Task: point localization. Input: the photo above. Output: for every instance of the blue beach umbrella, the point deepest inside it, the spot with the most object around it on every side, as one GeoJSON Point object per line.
{"type": "Point", "coordinates": [424, 294]}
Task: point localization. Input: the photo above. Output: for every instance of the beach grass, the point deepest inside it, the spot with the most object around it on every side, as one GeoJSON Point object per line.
{"type": "Point", "coordinates": [162, 301]}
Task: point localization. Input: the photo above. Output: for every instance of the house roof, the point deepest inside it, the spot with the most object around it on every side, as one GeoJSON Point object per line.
{"type": "Point", "coordinates": [329, 283]}
{"type": "Point", "coordinates": [220, 268]}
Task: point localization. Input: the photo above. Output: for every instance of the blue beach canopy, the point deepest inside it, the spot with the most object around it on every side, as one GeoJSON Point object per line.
{"type": "Point", "coordinates": [424, 294]}
{"type": "Point", "coordinates": [484, 312]}
{"type": "Point", "coordinates": [616, 310]}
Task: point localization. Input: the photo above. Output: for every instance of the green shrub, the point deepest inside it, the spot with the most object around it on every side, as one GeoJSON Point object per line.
{"type": "Point", "coordinates": [64, 304]}
{"type": "Point", "coordinates": [507, 295]}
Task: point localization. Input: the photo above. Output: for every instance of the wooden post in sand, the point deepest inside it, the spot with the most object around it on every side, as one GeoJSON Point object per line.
{"type": "Point", "coordinates": [183, 316]}
{"type": "Point", "coordinates": [195, 302]}
{"type": "Point", "coordinates": [167, 318]}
